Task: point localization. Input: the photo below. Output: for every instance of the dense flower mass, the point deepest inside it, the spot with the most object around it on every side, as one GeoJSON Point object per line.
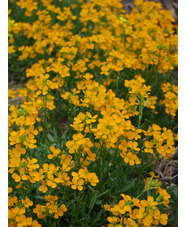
{"type": "Point", "coordinates": [98, 86]}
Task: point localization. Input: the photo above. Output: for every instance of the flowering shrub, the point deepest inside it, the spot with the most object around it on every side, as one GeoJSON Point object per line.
{"type": "Point", "coordinates": [111, 75]}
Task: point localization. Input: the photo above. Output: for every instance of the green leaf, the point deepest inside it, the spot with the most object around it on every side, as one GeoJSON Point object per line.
{"type": "Point", "coordinates": [83, 208]}
{"type": "Point", "coordinates": [98, 217]}
{"type": "Point", "coordinates": [103, 193]}
{"type": "Point", "coordinates": [50, 137]}
{"type": "Point", "coordinates": [92, 203]}
{"type": "Point", "coordinates": [39, 197]}
{"type": "Point", "coordinates": [173, 189]}
{"type": "Point", "coordinates": [64, 136]}
{"type": "Point", "coordinates": [127, 186]}
{"type": "Point", "coordinates": [55, 134]}
{"type": "Point", "coordinates": [99, 202]}
{"type": "Point", "coordinates": [91, 188]}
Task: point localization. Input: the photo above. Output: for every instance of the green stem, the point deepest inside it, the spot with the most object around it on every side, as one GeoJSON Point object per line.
{"type": "Point", "coordinates": [118, 80]}
{"type": "Point", "coordinates": [44, 118]}
{"type": "Point", "coordinates": [140, 112]}
{"type": "Point", "coordinates": [144, 190]}
{"type": "Point", "coordinates": [78, 207]}
{"type": "Point", "coordinates": [77, 158]}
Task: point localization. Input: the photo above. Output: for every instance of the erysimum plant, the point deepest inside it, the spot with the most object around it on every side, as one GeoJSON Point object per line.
{"type": "Point", "coordinates": [96, 115]}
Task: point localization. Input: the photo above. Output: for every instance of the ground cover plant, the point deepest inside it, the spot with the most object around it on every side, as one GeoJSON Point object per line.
{"type": "Point", "coordinates": [96, 113]}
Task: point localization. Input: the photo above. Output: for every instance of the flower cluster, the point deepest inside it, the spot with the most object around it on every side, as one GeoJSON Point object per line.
{"type": "Point", "coordinates": [81, 147]}
{"type": "Point", "coordinates": [141, 92]}
{"type": "Point", "coordinates": [171, 98]}
{"type": "Point", "coordinates": [83, 176]}
{"type": "Point", "coordinates": [134, 212]}
{"type": "Point", "coordinates": [17, 210]}
{"type": "Point", "coordinates": [161, 139]}
{"type": "Point", "coordinates": [50, 209]}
